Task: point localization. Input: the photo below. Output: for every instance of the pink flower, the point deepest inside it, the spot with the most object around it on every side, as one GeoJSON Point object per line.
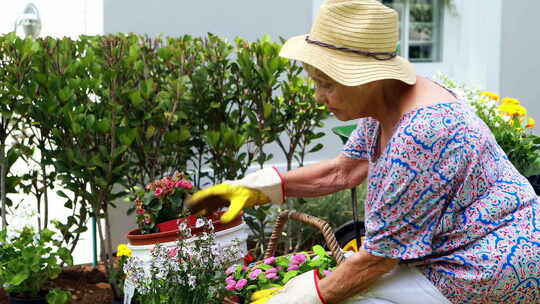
{"type": "Point", "coordinates": [293, 267]}
{"type": "Point", "coordinates": [271, 270]}
{"type": "Point", "coordinates": [254, 274]}
{"type": "Point", "coordinates": [148, 187]}
{"type": "Point", "coordinates": [299, 258]}
{"type": "Point", "coordinates": [271, 275]}
{"type": "Point", "coordinates": [230, 280]}
{"type": "Point", "coordinates": [270, 260]}
{"type": "Point", "coordinates": [230, 270]}
{"type": "Point", "coordinates": [147, 220]}
{"type": "Point", "coordinates": [173, 252]}
{"type": "Point", "coordinates": [279, 268]}
{"type": "Point", "coordinates": [327, 272]}
{"type": "Point", "coordinates": [240, 284]}
{"type": "Point", "coordinates": [141, 211]}
{"type": "Point", "coordinates": [158, 191]}
{"type": "Point", "coordinates": [231, 286]}
{"type": "Point", "coordinates": [184, 184]}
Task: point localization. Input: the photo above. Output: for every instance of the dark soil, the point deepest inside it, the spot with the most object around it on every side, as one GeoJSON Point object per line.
{"type": "Point", "coordinates": [87, 284]}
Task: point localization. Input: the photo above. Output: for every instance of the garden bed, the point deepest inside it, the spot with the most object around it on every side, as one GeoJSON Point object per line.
{"type": "Point", "coordinates": [87, 284]}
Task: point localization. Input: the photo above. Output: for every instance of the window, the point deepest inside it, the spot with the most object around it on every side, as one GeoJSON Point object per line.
{"type": "Point", "coordinates": [420, 29]}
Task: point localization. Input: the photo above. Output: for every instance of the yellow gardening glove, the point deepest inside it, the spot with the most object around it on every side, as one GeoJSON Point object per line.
{"type": "Point", "coordinates": [262, 296]}
{"type": "Point", "coordinates": [238, 197]}
{"type": "Point", "coordinates": [257, 188]}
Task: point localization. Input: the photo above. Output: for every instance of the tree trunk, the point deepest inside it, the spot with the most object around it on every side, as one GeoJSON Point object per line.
{"type": "Point", "coordinates": [3, 182]}
{"type": "Point", "coordinates": [46, 197]}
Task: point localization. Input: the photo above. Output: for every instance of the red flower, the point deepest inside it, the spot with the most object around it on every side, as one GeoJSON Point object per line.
{"type": "Point", "coordinates": [158, 191]}
{"type": "Point", "coordinates": [141, 211]}
{"type": "Point", "coordinates": [248, 259]}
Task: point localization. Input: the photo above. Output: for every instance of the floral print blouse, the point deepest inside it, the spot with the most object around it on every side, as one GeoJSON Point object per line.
{"type": "Point", "coordinates": [444, 197]}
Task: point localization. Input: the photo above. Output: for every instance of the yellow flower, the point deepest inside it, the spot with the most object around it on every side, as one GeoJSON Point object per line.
{"type": "Point", "coordinates": [512, 109]}
{"type": "Point", "coordinates": [531, 123]}
{"type": "Point", "coordinates": [508, 100]}
{"type": "Point", "coordinates": [262, 296]}
{"type": "Point", "coordinates": [490, 95]}
{"type": "Point", "coordinates": [123, 250]}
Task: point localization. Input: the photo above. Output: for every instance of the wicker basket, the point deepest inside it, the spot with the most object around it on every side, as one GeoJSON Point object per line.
{"type": "Point", "coordinates": [323, 226]}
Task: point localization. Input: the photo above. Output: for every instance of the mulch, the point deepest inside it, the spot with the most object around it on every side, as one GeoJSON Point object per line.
{"type": "Point", "coordinates": [87, 284]}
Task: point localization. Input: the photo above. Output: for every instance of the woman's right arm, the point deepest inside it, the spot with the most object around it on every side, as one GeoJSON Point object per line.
{"type": "Point", "coordinates": [325, 177]}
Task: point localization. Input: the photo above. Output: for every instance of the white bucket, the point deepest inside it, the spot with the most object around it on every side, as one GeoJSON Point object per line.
{"type": "Point", "coordinates": [236, 235]}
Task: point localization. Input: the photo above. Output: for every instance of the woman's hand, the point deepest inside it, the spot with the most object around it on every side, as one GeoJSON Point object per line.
{"type": "Point", "coordinates": [300, 290]}
{"type": "Point", "coordinates": [257, 188]}
{"type": "Point", "coordinates": [353, 276]}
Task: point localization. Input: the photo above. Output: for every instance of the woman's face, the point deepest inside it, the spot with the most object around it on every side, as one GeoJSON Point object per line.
{"type": "Point", "coordinates": [345, 102]}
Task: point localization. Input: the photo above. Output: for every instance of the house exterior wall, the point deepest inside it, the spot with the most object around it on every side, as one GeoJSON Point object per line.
{"type": "Point", "coordinates": [60, 18]}
{"type": "Point", "coordinates": [520, 43]}
{"type": "Point", "coordinates": [228, 19]}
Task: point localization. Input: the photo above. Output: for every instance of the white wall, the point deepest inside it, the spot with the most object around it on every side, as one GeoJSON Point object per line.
{"type": "Point", "coordinates": [60, 18]}
{"type": "Point", "coordinates": [520, 45]}
{"type": "Point", "coordinates": [472, 43]}
{"type": "Point", "coordinates": [245, 18]}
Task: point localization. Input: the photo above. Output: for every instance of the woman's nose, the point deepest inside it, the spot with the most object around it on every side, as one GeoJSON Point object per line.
{"type": "Point", "coordinates": [320, 97]}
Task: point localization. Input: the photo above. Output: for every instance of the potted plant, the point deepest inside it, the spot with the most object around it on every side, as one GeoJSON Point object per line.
{"type": "Point", "coordinates": [188, 272]}
{"type": "Point", "coordinates": [260, 281]}
{"type": "Point", "coordinates": [28, 262]}
{"type": "Point", "coordinates": [160, 211]}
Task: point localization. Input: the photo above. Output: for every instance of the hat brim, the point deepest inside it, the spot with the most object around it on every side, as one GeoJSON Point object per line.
{"type": "Point", "coordinates": [347, 68]}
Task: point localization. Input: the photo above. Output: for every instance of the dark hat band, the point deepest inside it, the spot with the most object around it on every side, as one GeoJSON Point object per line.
{"type": "Point", "coordinates": [376, 55]}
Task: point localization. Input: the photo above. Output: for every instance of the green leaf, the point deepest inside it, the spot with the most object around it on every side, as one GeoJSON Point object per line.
{"type": "Point", "coordinates": [319, 250]}
{"type": "Point", "coordinates": [18, 277]}
{"type": "Point", "coordinates": [58, 296]}
{"type": "Point", "coordinates": [264, 266]}
{"type": "Point", "coordinates": [289, 275]}
{"type": "Point", "coordinates": [267, 110]}
{"type": "Point", "coordinates": [46, 235]}
{"type": "Point", "coordinates": [282, 261]}
{"type": "Point", "coordinates": [136, 98]}
{"type": "Point", "coordinates": [150, 131]}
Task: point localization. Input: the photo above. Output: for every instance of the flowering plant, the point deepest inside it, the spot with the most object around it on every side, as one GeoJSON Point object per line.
{"type": "Point", "coordinates": [275, 272]}
{"type": "Point", "coordinates": [187, 273]}
{"type": "Point", "coordinates": [162, 200]}
{"type": "Point", "coordinates": [123, 253]}
{"type": "Point", "coordinates": [29, 260]}
{"type": "Point", "coordinates": [508, 121]}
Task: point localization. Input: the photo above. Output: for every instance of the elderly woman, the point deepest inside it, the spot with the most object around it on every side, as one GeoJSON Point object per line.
{"type": "Point", "coordinates": [448, 218]}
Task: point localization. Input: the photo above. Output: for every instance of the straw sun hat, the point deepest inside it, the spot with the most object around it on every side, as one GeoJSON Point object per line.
{"type": "Point", "coordinates": [353, 42]}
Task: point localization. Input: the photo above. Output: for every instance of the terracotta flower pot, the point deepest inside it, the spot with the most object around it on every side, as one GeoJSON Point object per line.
{"type": "Point", "coordinates": [169, 230]}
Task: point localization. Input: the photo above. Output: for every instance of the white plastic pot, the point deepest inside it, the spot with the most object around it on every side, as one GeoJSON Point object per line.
{"type": "Point", "coordinates": [224, 239]}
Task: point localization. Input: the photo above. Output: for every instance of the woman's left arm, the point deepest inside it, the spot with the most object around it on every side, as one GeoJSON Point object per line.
{"type": "Point", "coordinates": [353, 276]}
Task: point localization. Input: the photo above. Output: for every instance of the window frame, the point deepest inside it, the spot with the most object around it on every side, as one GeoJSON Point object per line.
{"type": "Point", "coordinates": [403, 7]}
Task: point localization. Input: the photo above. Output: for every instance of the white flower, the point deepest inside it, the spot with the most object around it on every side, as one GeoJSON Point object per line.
{"type": "Point", "coordinates": [200, 223]}
{"type": "Point", "coordinates": [192, 280]}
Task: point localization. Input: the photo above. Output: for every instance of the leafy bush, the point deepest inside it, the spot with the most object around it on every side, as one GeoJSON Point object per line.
{"type": "Point", "coordinates": [107, 114]}
{"type": "Point", "coordinates": [28, 260]}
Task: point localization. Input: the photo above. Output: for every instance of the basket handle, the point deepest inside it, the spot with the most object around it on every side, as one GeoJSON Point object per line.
{"type": "Point", "coordinates": [323, 226]}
